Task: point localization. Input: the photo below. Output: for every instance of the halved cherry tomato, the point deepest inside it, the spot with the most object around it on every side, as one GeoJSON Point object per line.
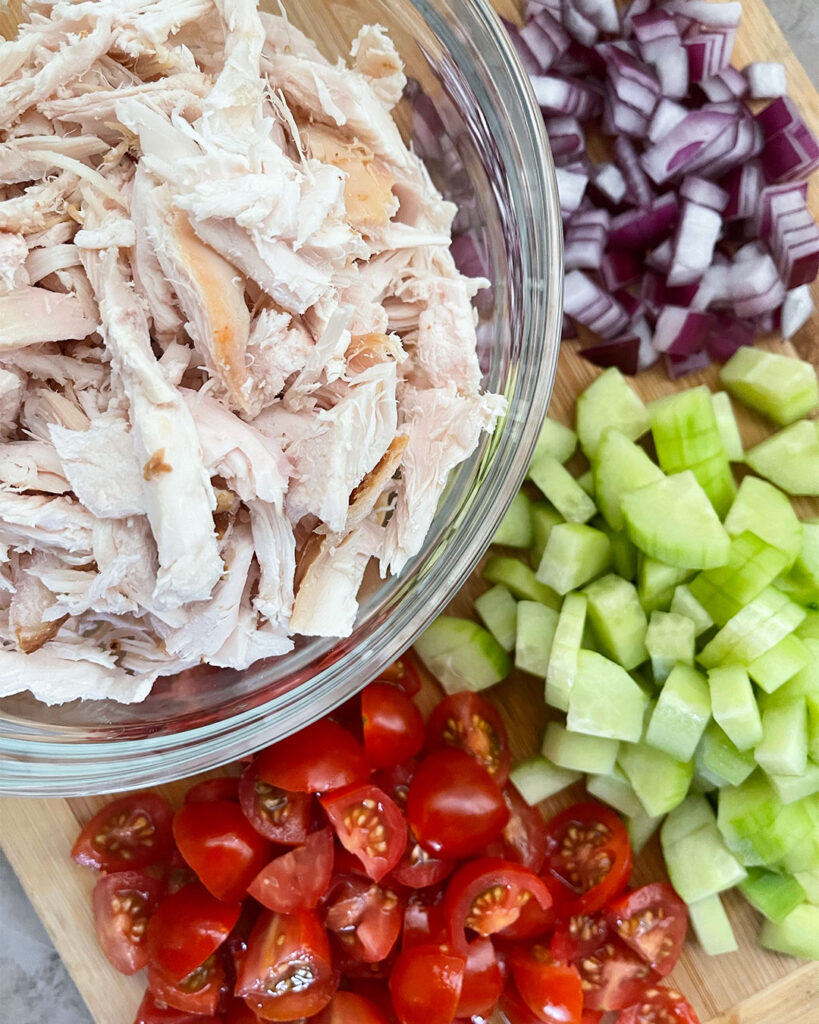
{"type": "Point", "coordinates": [533, 922]}
{"type": "Point", "coordinates": [418, 869]}
{"type": "Point", "coordinates": [514, 1009]}
{"type": "Point", "coordinates": [453, 805]}
{"type": "Point", "coordinates": [578, 936]}
{"type": "Point", "coordinates": [288, 970]}
{"type": "Point", "coordinates": [424, 925]}
{"type": "Point", "coordinates": [177, 873]}
{"type": "Point", "coordinates": [591, 1016]}
{"type": "Point", "coordinates": [364, 917]}
{"type": "Point", "coordinates": [274, 813]}
{"type": "Point", "coordinates": [126, 835]}
{"type": "Point", "coordinates": [552, 991]}
{"type": "Point", "coordinates": [613, 977]}
{"type": "Point", "coordinates": [321, 757]}
{"type": "Point", "coordinates": [201, 991]}
{"type": "Point", "coordinates": [486, 895]}
{"type": "Point", "coordinates": [123, 904]}
{"type": "Point", "coordinates": [525, 835]}
{"type": "Point", "coordinates": [652, 920]}
{"type": "Point", "coordinates": [589, 852]}
{"type": "Point", "coordinates": [369, 825]}
{"type": "Point", "coordinates": [238, 1012]}
{"type": "Point", "coordinates": [395, 781]}
{"type": "Point", "coordinates": [393, 725]}
{"type": "Point", "coordinates": [150, 1013]}
{"type": "Point", "coordinates": [226, 787]}
{"type": "Point", "coordinates": [483, 980]}
{"type": "Point", "coordinates": [659, 1005]}
{"type": "Point", "coordinates": [350, 1008]}
{"type": "Point", "coordinates": [470, 723]}
{"type": "Point", "coordinates": [403, 674]}
{"type": "Point", "coordinates": [426, 985]}
{"type": "Point", "coordinates": [187, 928]}
{"type": "Point", "coordinates": [296, 880]}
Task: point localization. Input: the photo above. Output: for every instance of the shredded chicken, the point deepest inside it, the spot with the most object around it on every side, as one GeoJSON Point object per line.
{"type": "Point", "coordinates": [237, 361]}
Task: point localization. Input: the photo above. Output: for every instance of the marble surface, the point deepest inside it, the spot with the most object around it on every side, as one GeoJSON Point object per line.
{"type": "Point", "coordinates": [34, 984]}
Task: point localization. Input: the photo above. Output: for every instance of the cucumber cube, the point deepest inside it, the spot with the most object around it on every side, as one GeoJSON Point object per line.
{"type": "Point", "coordinates": [700, 864]}
{"type": "Point", "coordinates": [641, 827]}
{"type": "Point", "coordinates": [802, 582]}
{"type": "Point", "coordinates": [797, 935]}
{"type": "Point", "coordinates": [519, 579]}
{"type": "Point", "coordinates": [586, 481]}
{"type": "Point", "coordinates": [727, 426]}
{"type": "Point", "coordinates": [568, 638]}
{"type": "Point", "coordinates": [681, 713]}
{"type": "Point", "coordinates": [609, 402]}
{"type": "Point", "coordinates": [656, 583]}
{"type": "Point", "coordinates": [562, 490]}
{"type": "Point", "coordinates": [498, 611]}
{"type": "Point", "coordinates": [711, 926]}
{"type": "Point", "coordinates": [772, 894]}
{"type": "Point", "coordinates": [461, 654]}
{"type": "Point", "coordinates": [555, 439]}
{"type": "Point", "coordinates": [673, 521]}
{"type": "Point", "coordinates": [764, 510]}
{"type": "Point", "coordinates": [619, 466]}
{"type": "Point", "coordinates": [684, 603]}
{"type": "Point", "coordinates": [688, 817]}
{"type": "Point", "coordinates": [669, 640]}
{"type": "Point", "coordinates": [808, 629]}
{"type": "Point", "coordinates": [789, 458]}
{"type": "Point", "coordinates": [515, 530]}
{"type": "Point", "coordinates": [716, 479]}
{"type": "Point", "coordinates": [537, 779]}
{"type": "Point", "coordinates": [790, 788]}
{"type": "Point", "coordinates": [533, 641]}
{"type": "Point", "coordinates": [660, 781]}
{"type": "Point", "coordinates": [623, 554]}
{"type": "Point", "coordinates": [753, 631]}
{"type": "Point", "coordinates": [780, 387]}
{"type": "Point", "coordinates": [783, 749]}
{"type": "Point", "coordinates": [577, 752]}
{"type": "Point", "coordinates": [779, 664]}
{"type": "Point", "coordinates": [574, 555]}
{"type": "Point", "coordinates": [809, 880]}
{"type": "Point", "coordinates": [544, 518]}
{"type": "Point", "coordinates": [719, 760]}
{"type": "Point", "coordinates": [605, 700]}
{"type": "Point", "coordinates": [618, 620]}
{"type": "Point", "coordinates": [733, 705]}
{"type": "Point", "coordinates": [616, 791]}
{"type": "Point", "coordinates": [759, 828]}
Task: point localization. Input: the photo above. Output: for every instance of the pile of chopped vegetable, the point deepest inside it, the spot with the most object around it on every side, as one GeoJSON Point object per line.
{"type": "Point", "coordinates": [374, 868]}
{"type": "Point", "coordinates": [675, 620]}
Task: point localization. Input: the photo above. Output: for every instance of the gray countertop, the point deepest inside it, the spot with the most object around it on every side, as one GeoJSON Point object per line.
{"type": "Point", "coordinates": [34, 984]}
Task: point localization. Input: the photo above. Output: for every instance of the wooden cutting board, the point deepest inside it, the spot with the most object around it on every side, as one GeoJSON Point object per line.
{"type": "Point", "coordinates": [751, 986]}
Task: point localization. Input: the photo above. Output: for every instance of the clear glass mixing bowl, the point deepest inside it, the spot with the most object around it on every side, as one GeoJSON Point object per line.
{"type": "Point", "coordinates": [459, 57]}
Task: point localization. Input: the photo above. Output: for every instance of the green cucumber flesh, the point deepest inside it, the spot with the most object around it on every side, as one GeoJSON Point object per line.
{"type": "Point", "coordinates": [727, 426]}
{"type": "Point", "coordinates": [684, 603]}
{"type": "Point", "coordinates": [783, 749]}
{"type": "Point", "coordinates": [772, 894]}
{"type": "Point", "coordinates": [515, 530]}
{"type": "Point", "coordinates": [669, 640]}
{"type": "Point", "coordinates": [684, 428]}
{"type": "Point", "coordinates": [533, 640]}
{"type": "Point", "coordinates": [759, 828]}
{"type": "Point", "coordinates": [734, 707]}
{"type": "Point", "coordinates": [780, 387]}
{"type": "Point", "coordinates": [681, 713]}
{"type": "Point", "coordinates": [711, 926]}
{"type": "Point", "coordinates": [604, 700]}
{"type": "Point", "coordinates": [700, 864]}
{"type": "Point", "coordinates": [641, 827]}
{"type": "Point", "coordinates": [797, 935]}
{"type": "Point", "coordinates": [618, 620]}
{"type": "Point", "coordinates": [609, 401]}
{"type": "Point", "coordinates": [790, 788]}
{"type": "Point", "coordinates": [544, 518]}
{"type": "Point", "coordinates": [537, 779]}
{"type": "Point", "coordinates": [659, 780]}
{"type": "Point", "coordinates": [462, 655]}
{"type": "Point", "coordinates": [789, 459]}
{"type": "Point", "coordinates": [779, 664]}
{"type": "Point", "coordinates": [688, 817]}
{"type": "Point", "coordinates": [656, 583]}
{"type": "Point", "coordinates": [560, 487]}
{"type": "Point", "coordinates": [755, 629]}
{"type": "Point", "coordinates": [498, 611]}
{"type": "Point", "coordinates": [555, 439]}
{"type": "Point", "coordinates": [568, 639]}
{"type": "Point", "coordinates": [763, 509]}
{"type": "Point", "coordinates": [575, 554]}
{"type": "Point", "coordinates": [624, 554]}
{"type": "Point", "coordinates": [802, 581]}
{"type": "Point", "coordinates": [720, 761]}
{"type": "Point", "coordinates": [586, 481]}
{"type": "Point", "coordinates": [808, 629]}
{"type": "Point", "coordinates": [578, 752]}
{"type": "Point", "coordinates": [616, 791]}
{"type": "Point", "coordinates": [519, 579]}
{"type": "Point", "coordinates": [619, 466]}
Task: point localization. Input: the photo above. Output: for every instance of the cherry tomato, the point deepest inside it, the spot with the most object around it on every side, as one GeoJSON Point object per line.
{"type": "Point", "coordinates": [532, 922]}
{"type": "Point", "coordinates": [393, 725]}
{"type": "Point", "coordinates": [482, 982]}
{"type": "Point", "coordinates": [350, 1008]}
{"type": "Point", "coordinates": [274, 813]}
{"type": "Point", "coordinates": [238, 1012]}
{"type": "Point", "coordinates": [296, 880]}
{"type": "Point", "coordinates": [201, 991]}
{"type": "Point", "coordinates": [369, 825]}
{"type": "Point", "coordinates": [514, 1009]}
{"type": "Point", "coordinates": [287, 971]}
{"type": "Point", "coordinates": [123, 904]}
{"type": "Point", "coordinates": [322, 757]}
{"type": "Point", "coordinates": [403, 674]}
{"type": "Point", "coordinates": [613, 977]}
{"type": "Point", "coordinates": [395, 781]}
{"type": "Point", "coordinates": [578, 936]}
{"type": "Point", "coordinates": [418, 869]}
{"type": "Point", "coordinates": [126, 835]}
{"type": "Point", "coordinates": [150, 1013]}
{"type": "Point", "coordinates": [453, 805]}
{"type": "Point", "coordinates": [226, 787]}
{"type": "Point", "coordinates": [652, 920]}
{"type": "Point", "coordinates": [221, 846]}
{"type": "Point", "coordinates": [177, 873]}
{"type": "Point", "coordinates": [486, 895]}
{"type": "Point", "coordinates": [659, 1005]}
{"type": "Point", "coordinates": [590, 853]}
{"type": "Point", "coordinates": [424, 925]}
{"type": "Point", "coordinates": [470, 723]}
{"type": "Point", "coordinates": [187, 928]}
{"type": "Point", "coordinates": [364, 917]}
{"type": "Point", "coordinates": [426, 985]}
{"type": "Point", "coordinates": [591, 1016]}
{"type": "Point", "coordinates": [552, 991]}
{"type": "Point", "coordinates": [525, 835]}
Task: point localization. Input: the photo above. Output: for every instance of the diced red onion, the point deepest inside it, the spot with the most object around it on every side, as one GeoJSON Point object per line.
{"type": "Point", "coordinates": [743, 185]}
{"type": "Point", "coordinates": [583, 30]}
{"type": "Point", "coordinates": [709, 51]}
{"type": "Point", "coordinates": [571, 187]}
{"type": "Point", "coordinates": [566, 137]}
{"type": "Point", "coordinates": [766, 80]}
{"type": "Point", "coordinates": [585, 239]}
{"type": "Point", "coordinates": [681, 366]}
{"type": "Point", "coordinates": [673, 155]}
{"type": "Point", "coordinates": [634, 307]}
{"type": "Point", "coordinates": [586, 302]}
{"type": "Point", "coordinates": [722, 15]}
{"type": "Point", "coordinates": [726, 335]}
{"type": "Point", "coordinates": [622, 352]}
{"type": "Point", "coordinates": [645, 228]}
{"type": "Point", "coordinates": [715, 89]}
{"type": "Point", "coordinates": [734, 80]}
{"type": "Point", "coordinates": [640, 192]}
{"type": "Point", "coordinates": [602, 13]}
{"type": "Point", "coordinates": [659, 259]}
{"type": "Point", "coordinates": [654, 24]}
{"type": "Point", "coordinates": [610, 183]}
{"type": "Point", "coordinates": [706, 193]}
{"type": "Point", "coordinates": [666, 116]}
{"type": "Point", "coordinates": [680, 331]}
{"type": "Point", "coordinates": [565, 96]}
{"type": "Point", "coordinates": [619, 268]}
{"type": "Point", "coordinates": [797, 309]}
{"type": "Point", "coordinates": [777, 200]}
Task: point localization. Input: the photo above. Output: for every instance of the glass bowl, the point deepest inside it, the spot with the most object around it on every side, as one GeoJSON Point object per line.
{"type": "Point", "coordinates": [499, 167]}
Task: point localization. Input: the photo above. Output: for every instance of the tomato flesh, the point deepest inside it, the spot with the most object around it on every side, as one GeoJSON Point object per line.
{"type": "Point", "coordinates": [296, 880]}
{"type": "Point", "coordinates": [393, 726]}
{"type": "Point", "coordinates": [187, 928]}
{"type": "Point", "coordinates": [403, 674]}
{"type": "Point", "coordinates": [579, 936]}
{"type": "Point", "coordinates": [225, 787]}
{"type": "Point", "coordinates": [123, 903]}
{"type": "Point", "coordinates": [351, 1008]}
{"type": "Point", "coordinates": [653, 921]}
{"type": "Point", "coordinates": [321, 757]}
{"type": "Point", "coordinates": [201, 991]}
{"type": "Point", "coordinates": [128, 834]}
{"type": "Point", "coordinates": [150, 1013]}
{"type": "Point", "coordinates": [426, 985]}
{"type": "Point", "coordinates": [470, 723]}
{"type": "Point", "coordinates": [659, 1005]}
{"type": "Point", "coordinates": [525, 836]}
{"type": "Point", "coordinates": [552, 991]}
{"type": "Point", "coordinates": [275, 813]}
{"type": "Point", "coordinates": [364, 917]}
{"type": "Point", "coordinates": [613, 977]}
{"type": "Point", "coordinates": [370, 825]}
{"type": "Point", "coordinates": [482, 982]}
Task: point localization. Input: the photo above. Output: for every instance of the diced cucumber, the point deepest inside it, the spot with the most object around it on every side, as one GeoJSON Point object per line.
{"type": "Point", "coordinates": [618, 620]}
{"type": "Point", "coordinates": [688, 817]}
{"type": "Point", "coordinates": [533, 640]}
{"type": "Point", "coordinates": [624, 554]}
{"type": "Point", "coordinates": [795, 787]}
{"type": "Point", "coordinates": [700, 864]}
{"type": "Point", "coordinates": [783, 749]}
{"type": "Point", "coordinates": [681, 713]}
{"type": "Point", "coordinates": [544, 518]}
{"type": "Point", "coordinates": [555, 439]}
{"type": "Point", "coordinates": [575, 554]}
{"type": "Point", "coordinates": [515, 530]}
{"type": "Point", "coordinates": [733, 705]}
{"type": "Point", "coordinates": [764, 510]}
{"type": "Point", "coordinates": [789, 458]}
{"type": "Point", "coordinates": [711, 926]}
{"type": "Point", "coordinates": [719, 760]}
{"type": "Point", "coordinates": [461, 654]}
{"type": "Point", "coordinates": [716, 479]}
{"type": "Point", "coordinates": [673, 521]}
{"type": "Point", "coordinates": [519, 579]}
{"type": "Point", "coordinates": [656, 583]}
{"type": "Point", "coordinates": [669, 640]}
{"type": "Point", "coordinates": [727, 426]}
{"type": "Point", "coordinates": [577, 752]}
{"type": "Point", "coordinates": [605, 700]}
{"type": "Point", "coordinates": [619, 466]}
{"type": "Point", "coordinates": [660, 781]}
{"type": "Point", "coordinates": [797, 935]}
{"type": "Point", "coordinates": [537, 779]}
{"type": "Point", "coordinates": [804, 684]}
{"type": "Point", "coordinates": [568, 638]}
{"type": "Point", "coordinates": [779, 664]}
{"type": "Point", "coordinates": [586, 481]}
{"type": "Point", "coordinates": [808, 629]}
{"type": "Point", "coordinates": [772, 894]}
{"type": "Point", "coordinates": [684, 603]}
{"type": "Point", "coordinates": [758, 827]}
{"type": "Point", "coordinates": [562, 490]}
{"type": "Point", "coordinates": [498, 611]}
{"type": "Point", "coordinates": [641, 827]}
{"type": "Point", "coordinates": [756, 629]}
{"type": "Point", "coordinates": [616, 791]}
{"type": "Point", "coordinates": [609, 402]}
{"type": "Point", "coordinates": [809, 880]}
{"type": "Point", "coordinates": [802, 582]}
{"type": "Point", "coordinates": [780, 387]}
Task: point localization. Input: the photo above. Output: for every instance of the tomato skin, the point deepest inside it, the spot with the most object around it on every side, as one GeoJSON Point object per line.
{"type": "Point", "coordinates": [187, 928]}
{"type": "Point", "coordinates": [370, 825]}
{"type": "Point", "coordinates": [426, 985]}
{"type": "Point", "coordinates": [225, 787]}
{"type": "Point", "coordinates": [321, 757]}
{"type": "Point", "coordinates": [424, 925]}
{"type": "Point", "coordinates": [514, 1009]}
{"type": "Point", "coordinates": [364, 917]}
{"type": "Point", "coordinates": [351, 1008]}
{"type": "Point", "coordinates": [274, 813]}
{"type": "Point", "coordinates": [403, 673]}
{"type": "Point", "coordinates": [123, 903]}
{"type": "Point", "coordinates": [393, 725]}
{"type": "Point", "coordinates": [200, 992]}
{"type": "Point", "coordinates": [150, 1013]}
{"type": "Point", "coordinates": [128, 834]}
{"type": "Point", "coordinates": [468, 722]}
{"type": "Point", "coordinates": [482, 982]}
{"type": "Point", "coordinates": [296, 880]}
{"type": "Point", "coordinates": [614, 977]}
{"type": "Point", "coordinates": [653, 921]}
{"type": "Point", "coordinates": [578, 936]}
{"type": "Point", "coordinates": [659, 1005]}
{"type": "Point", "coordinates": [238, 1012]}
{"type": "Point", "coordinates": [418, 869]}
{"type": "Point", "coordinates": [525, 835]}
{"type": "Point", "coordinates": [453, 805]}
{"type": "Point", "coordinates": [532, 923]}
{"type": "Point", "coordinates": [552, 991]}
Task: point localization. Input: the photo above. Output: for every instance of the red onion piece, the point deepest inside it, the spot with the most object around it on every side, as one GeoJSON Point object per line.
{"type": "Point", "coordinates": [723, 15]}
{"type": "Point", "coordinates": [609, 182]}
{"type": "Point", "coordinates": [708, 51]}
{"type": "Point", "coordinates": [726, 335]}
{"type": "Point", "coordinates": [766, 80]}
{"type": "Point", "coordinates": [586, 302]}
{"type": "Point", "coordinates": [680, 366]}
{"type": "Point", "coordinates": [619, 268]}
{"type": "Point", "coordinates": [645, 228]}
{"type": "Point", "coordinates": [566, 137]}
{"type": "Point", "coordinates": [680, 331]}
{"type": "Point", "coordinates": [675, 153]}
{"type": "Point", "coordinates": [622, 352]}
{"type": "Point", "coordinates": [797, 309]}
{"type": "Point", "coordinates": [571, 187]}
{"type": "Point", "coordinates": [743, 185]}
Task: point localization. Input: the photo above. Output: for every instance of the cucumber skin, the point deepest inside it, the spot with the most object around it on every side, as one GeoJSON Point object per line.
{"type": "Point", "coordinates": [773, 895]}
{"type": "Point", "coordinates": [797, 935]}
